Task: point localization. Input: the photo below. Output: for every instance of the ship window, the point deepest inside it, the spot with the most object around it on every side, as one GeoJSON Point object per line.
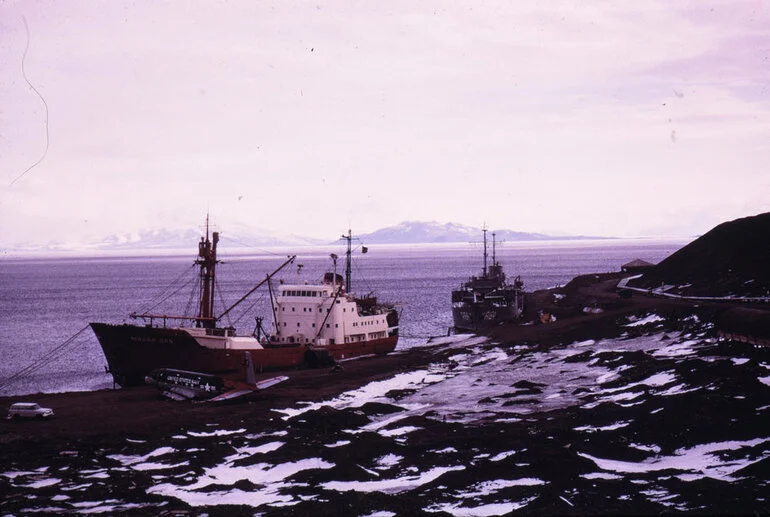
{"type": "Point", "coordinates": [292, 309]}
{"type": "Point", "coordinates": [313, 325]}
{"type": "Point", "coordinates": [315, 293]}
{"type": "Point", "coordinates": [284, 323]}
{"type": "Point", "coordinates": [298, 323]}
{"type": "Point", "coordinates": [343, 309]}
{"type": "Point", "coordinates": [336, 325]}
{"type": "Point", "coordinates": [327, 325]}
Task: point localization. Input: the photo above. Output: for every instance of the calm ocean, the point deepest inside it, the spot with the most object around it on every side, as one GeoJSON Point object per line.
{"type": "Point", "coordinates": [45, 302]}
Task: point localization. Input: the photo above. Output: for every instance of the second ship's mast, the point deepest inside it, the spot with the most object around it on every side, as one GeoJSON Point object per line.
{"type": "Point", "coordinates": [207, 260]}
{"type": "Point", "coordinates": [348, 253]}
{"type": "Point", "coordinates": [485, 252]}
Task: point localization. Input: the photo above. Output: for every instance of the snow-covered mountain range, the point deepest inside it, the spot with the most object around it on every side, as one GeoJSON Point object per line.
{"type": "Point", "coordinates": [241, 236]}
{"type": "Point", "coordinates": [415, 232]}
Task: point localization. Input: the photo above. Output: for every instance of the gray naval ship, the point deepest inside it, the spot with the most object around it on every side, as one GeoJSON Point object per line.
{"type": "Point", "coordinates": [488, 299]}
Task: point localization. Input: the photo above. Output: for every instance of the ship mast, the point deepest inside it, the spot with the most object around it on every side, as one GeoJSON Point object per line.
{"type": "Point", "coordinates": [207, 260]}
{"type": "Point", "coordinates": [485, 252]}
{"type": "Point", "coordinates": [348, 254]}
{"type": "Point", "coordinates": [494, 260]}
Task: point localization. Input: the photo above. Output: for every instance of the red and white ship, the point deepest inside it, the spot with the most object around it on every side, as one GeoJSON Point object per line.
{"type": "Point", "coordinates": [313, 325]}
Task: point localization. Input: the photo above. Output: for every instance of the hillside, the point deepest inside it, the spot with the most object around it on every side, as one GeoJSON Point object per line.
{"type": "Point", "coordinates": [731, 259]}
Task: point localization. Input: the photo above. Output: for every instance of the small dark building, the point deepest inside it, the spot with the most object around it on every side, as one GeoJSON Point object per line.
{"type": "Point", "coordinates": [636, 266]}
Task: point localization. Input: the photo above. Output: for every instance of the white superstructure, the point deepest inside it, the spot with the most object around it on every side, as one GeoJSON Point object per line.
{"type": "Point", "coordinates": [324, 314]}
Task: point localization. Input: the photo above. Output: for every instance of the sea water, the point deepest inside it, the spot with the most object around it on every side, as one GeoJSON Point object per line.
{"type": "Point", "coordinates": [47, 303]}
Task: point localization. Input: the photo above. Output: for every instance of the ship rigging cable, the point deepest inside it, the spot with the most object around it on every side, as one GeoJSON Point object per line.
{"type": "Point", "coordinates": [43, 361]}
{"type": "Point", "coordinates": [218, 291]}
{"type": "Point", "coordinates": [162, 297]}
{"type": "Point", "coordinates": [247, 310]}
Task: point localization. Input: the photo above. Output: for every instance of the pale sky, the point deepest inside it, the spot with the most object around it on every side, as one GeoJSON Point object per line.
{"type": "Point", "coordinates": [614, 118]}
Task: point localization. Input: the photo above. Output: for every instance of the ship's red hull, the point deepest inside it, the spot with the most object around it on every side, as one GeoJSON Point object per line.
{"type": "Point", "coordinates": [349, 350]}
{"type": "Point", "coordinates": [133, 351]}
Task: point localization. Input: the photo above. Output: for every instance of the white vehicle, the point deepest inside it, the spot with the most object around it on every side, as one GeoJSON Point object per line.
{"type": "Point", "coordinates": [29, 410]}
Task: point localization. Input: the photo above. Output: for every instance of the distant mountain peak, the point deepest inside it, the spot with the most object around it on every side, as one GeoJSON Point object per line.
{"type": "Point", "coordinates": [427, 232]}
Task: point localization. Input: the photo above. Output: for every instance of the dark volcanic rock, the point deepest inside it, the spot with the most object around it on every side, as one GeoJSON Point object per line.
{"type": "Point", "coordinates": [731, 259]}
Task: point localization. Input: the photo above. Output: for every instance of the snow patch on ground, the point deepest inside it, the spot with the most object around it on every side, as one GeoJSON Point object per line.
{"type": "Point", "coordinates": [270, 477]}
{"type": "Point", "coordinates": [133, 460]}
{"type": "Point", "coordinates": [485, 510]}
{"type": "Point", "coordinates": [391, 486]}
{"type": "Point", "coordinates": [650, 318]}
{"type": "Point", "coordinates": [219, 432]}
{"type": "Point", "coordinates": [706, 460]}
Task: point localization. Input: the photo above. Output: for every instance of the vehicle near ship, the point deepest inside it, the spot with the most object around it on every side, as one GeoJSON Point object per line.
{"type": "Point", "coordinates": [28, 410]}
{"type": "Point", "coordinates": [313, 325]}
{"type": "Point", "coordinates": [487, 299]}
{"type": "Point", "coordinates": [184, 385]}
